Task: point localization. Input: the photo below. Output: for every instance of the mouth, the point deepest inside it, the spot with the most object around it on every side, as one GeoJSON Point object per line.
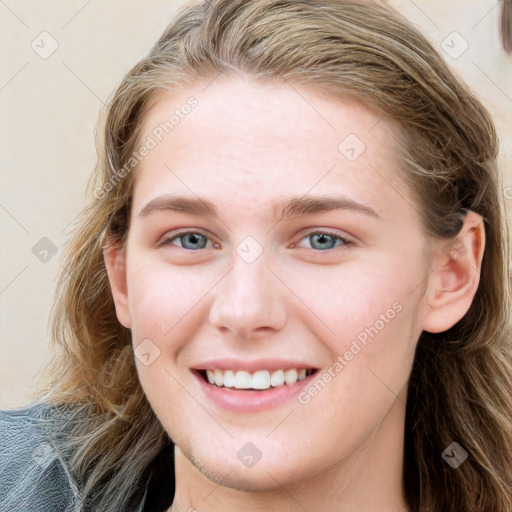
{"type": "Point", "coordinates": [260, 380]}
{"type": "Point", "coordinates": [258, 390]}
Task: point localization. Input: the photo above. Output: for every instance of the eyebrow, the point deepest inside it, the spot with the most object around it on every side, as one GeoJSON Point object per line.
{"type": "Point", "coordinates": [289, 208]}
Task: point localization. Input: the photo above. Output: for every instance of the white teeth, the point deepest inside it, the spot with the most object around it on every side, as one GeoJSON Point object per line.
{"type": "Point", "coordinates": [261, 379]}
{"type": "Point", "coordinates": [219, 378]}
{"type": "Point", "coordinates": [243, 380]}
{"type": "Point", "coordinates": [229, 379]}
{"type": "Point", "coordinates": [291, 376]}
{"type": "Point", "coordinates": [277, 378]}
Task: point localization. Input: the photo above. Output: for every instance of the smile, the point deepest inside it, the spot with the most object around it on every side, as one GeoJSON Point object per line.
{"type": "Point", "coordinates": [258, 380]}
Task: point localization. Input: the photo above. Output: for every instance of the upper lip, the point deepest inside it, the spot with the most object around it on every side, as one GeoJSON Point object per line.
{"type": "Point", "coordinates": [252, 365]}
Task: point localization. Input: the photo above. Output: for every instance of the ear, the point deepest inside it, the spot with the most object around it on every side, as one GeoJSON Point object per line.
{"type": "Point", "coordinates": [452, 284]}
{"type": "Point", "coordinates": [115, 263]}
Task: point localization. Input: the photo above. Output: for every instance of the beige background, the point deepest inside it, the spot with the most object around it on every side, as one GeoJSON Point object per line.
{"type": "Point", "coordinates": [49, 109]}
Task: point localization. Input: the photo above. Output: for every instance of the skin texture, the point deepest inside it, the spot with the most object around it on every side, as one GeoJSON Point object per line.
{"type": "Point", "coordinates": [244, 146]}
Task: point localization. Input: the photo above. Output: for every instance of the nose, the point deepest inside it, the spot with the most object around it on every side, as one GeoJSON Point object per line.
{"type": "Point", "coordinates": [249, 300]}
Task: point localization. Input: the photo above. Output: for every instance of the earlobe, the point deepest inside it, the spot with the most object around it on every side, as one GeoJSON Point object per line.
{"type": "Point", "coordinates": [115, 263]}
{"type": "Point", "coordinates": [454, 280]}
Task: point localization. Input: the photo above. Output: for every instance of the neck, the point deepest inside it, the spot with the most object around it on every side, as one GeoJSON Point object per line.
{"type": "Point", "coordinates": [367, 480]}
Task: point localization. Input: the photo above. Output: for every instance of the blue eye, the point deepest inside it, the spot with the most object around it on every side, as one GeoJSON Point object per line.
{"type": "Point", "coordinates": [323, 240]}
{"type": "Point", "coordinates": [189, 240]}
{"type": "Point", "coordinates": [194, 240]}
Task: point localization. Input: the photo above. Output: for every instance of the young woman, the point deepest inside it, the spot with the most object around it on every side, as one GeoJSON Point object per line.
{"type": "Point", "coordinates": [290, 289]}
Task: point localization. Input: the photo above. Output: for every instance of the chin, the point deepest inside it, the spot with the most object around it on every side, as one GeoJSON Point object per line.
{"type": "Point", "coordinates": [263, 476]}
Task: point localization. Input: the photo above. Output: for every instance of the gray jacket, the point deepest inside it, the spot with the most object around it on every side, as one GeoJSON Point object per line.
{"type": "Point", "coordinates": [34, 479]}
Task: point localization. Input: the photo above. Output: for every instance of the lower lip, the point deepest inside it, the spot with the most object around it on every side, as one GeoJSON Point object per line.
{"type": "Point", "coordinates": [248, 400]}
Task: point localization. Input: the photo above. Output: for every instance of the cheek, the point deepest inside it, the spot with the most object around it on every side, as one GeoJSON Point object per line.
{"type": "Point", "coordinates": [355, 299]}
{"type": "Point", "coordinates": [161, 297]}
{"type": "Point", "coordinates": [373, 328]}
{"type": "Point", "coordinates": [164, 303]}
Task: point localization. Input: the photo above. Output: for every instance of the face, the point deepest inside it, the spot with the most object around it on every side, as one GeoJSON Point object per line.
{"type": "Point", "coordinates": [274, 251]}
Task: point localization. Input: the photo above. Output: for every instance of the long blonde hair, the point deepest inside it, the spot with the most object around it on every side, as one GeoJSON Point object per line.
{"type": "Point", "coordinates": [460, 386]}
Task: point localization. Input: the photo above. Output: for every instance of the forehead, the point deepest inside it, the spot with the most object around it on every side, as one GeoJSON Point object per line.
{"type": "Point", "coordinates": [255, 142]}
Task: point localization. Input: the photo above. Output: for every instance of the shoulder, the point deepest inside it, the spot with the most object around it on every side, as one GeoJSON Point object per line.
{"type": "Point", "coordinates": [31, 473]}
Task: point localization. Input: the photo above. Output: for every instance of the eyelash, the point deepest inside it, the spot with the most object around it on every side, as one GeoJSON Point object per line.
{"type": "Point", "coordinates": [344, 241]}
